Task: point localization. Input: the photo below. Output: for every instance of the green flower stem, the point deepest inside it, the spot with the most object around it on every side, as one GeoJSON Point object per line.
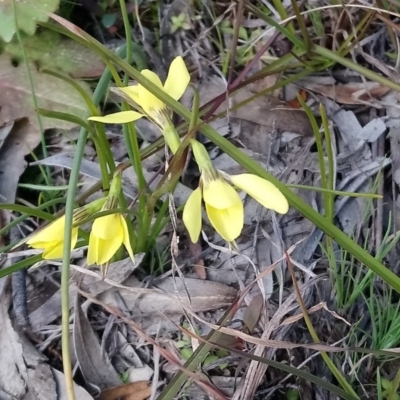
{"type": "Point", "coordinates": [104, 146]}
{"type": "Point", "coordinates": [102, 163]}
{"type": "Point", "coordinates": [171, 138]}
{"type": "Point", "coordinates": [99, 136]}
{"type": "Point", "coordinates": [201, 155]}
{"type": "Point", "coordinates": [320, 150]}
{"type": "Point", "coordinates": [330, 205]}
{"type": "Point", "coordinates": [69, 211]}
{"type": "Point", "coordinates": [132, 144]}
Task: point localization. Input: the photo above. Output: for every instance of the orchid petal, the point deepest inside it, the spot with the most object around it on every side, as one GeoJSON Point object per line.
{"type": "Point", "coordinates": [132, 92]}
{"type": "Point", "coordinates": [227, 222]}
{"type": "Point", "coordinates": [104, 249]}
{"type": "Point", "coordinates": [49, 233]}
{"type": "Point", "coordinates": [220, 194]}
{"type": "Point", "coordinates": [122, 117]}
{"type": "Point", "coordinates": [263, 191]}
{"type": "Point", "coordinates": [126, 240]}
{"type": "Point", "coordinates": [93, 249]}
{"type": "Point", "coordinates": [192, 215]}
{"type": "Point", "coordinates": [107, 227]}
{"type": "Point", "coordinates": [178, 79]}
{"type": "Point", "coordinates": [147, 100]}
{"type": "Point", "coordinates": [55, 249]}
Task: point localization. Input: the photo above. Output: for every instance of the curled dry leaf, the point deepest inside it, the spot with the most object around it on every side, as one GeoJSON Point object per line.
{"type": "Point", "coordinates": [94, 364]}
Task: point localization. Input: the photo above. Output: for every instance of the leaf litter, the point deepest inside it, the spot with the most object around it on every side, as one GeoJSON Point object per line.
{"type": "Point", "coordinates": [277, 135]}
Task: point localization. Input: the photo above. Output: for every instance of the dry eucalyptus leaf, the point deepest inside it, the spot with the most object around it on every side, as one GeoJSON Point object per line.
{"type": "Point", "coordinates": [50, 310]}
{"type": "Point", "coordinates": [51, 93]}
{"type": "Point", "coordinates": [350, 93]}
{"type": "Point", "coordinates": [12, 379]}
{"type": "Point", "coordinates": [17, 107]}
{"type": "Point", "coordinates": [94, 364]}
{"type": "Point", "coordinates": [140, 390]}
{"type": "Point", "coordinates": [204, 296]}
{"type": "Point", "coordinates": [264, 110]}
{"type": "Point", "coordinates": [253, 311]}
{"type": "Point", "coordinates": [12, 157]}
{"type": "Point", "coordinates": [24, 375]}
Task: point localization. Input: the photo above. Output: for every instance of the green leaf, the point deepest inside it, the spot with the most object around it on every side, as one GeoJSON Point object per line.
{"type": "Point", "coordinates": [210, 359]}
{"type": "Point", "coordinates": [186, 353]}
{"type": "Point", "coordinates": [28, 14]}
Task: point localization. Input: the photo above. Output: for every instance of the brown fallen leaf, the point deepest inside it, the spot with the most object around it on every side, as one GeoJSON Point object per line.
{"type": "Point", "coordinates": [132, 391]}
{"type": "Point", "coordinates": [265, 110]}
{"type": "Point", "coordinates": [51, 94]}
{"type": "Point", "coordinates": [252, 312]}
{"type": "Point", "coordinates": [350, 93]}
{"type": "Point", "coordinates": [17, 108]}
{"type": "Point", "coordinates": [169, 295]}
{"type": "Point", "coordinates": [94, 364]}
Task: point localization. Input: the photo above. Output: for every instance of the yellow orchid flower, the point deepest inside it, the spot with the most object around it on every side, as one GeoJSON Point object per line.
{"type": "Point", "coordinates": [110, 231]}
{"type": "Point", "coordinates": [107, 235]}
{"type": "Point", "coordinates": [153, 108]}
{"type": "Point", "coordinates": [51, 237]}
{"type": "Point", "coordinates": [223, 205]}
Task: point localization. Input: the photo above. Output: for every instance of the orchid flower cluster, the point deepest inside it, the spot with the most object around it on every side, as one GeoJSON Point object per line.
{"type": "Point", "coordinates": [108, 232]}
{"type": "Point", "coordinates": [217, 190]}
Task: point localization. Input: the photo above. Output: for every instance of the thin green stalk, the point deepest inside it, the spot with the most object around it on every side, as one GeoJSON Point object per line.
{"type": "Point", "coordinates": [329, 206]}
{"type": "Point", "coordinates": [335, 192]}
{"type": "Point", "coordinates": [302, 26]}
{"type": "Point", "coordinates": [65, 117]}
{"type": "Point", "coordinates": [131, 140]}
{"type": "Point", "coordinates": [320, 149]}
{"type": "Point", "coordinates": [103, 143]}
{"type": "Point", "coordinates": [278, 4]}
{"type": "Point", "coordinates": [102, 162]}
{"type": "Point", "coordinates": [69, 209]}
{"type": "Point", "coordinates": [100, 139]}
